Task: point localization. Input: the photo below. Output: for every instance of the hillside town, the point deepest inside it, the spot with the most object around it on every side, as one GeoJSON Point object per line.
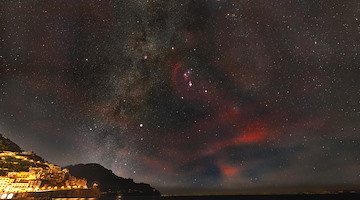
{"type": "Point", "coordinates": [39, 176]}
{"type": "Point", "coordinates": [25, 175]}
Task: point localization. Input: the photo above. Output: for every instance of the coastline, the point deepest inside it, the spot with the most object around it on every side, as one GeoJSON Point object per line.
{"type": "Point", "coordinates": [53, 194]}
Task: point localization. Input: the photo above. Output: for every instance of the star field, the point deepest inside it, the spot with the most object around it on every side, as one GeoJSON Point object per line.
{"type": "Point", "coordinates": [205, 96]}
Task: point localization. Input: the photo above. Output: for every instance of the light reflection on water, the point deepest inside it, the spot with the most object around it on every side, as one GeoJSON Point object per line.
{"type": "Point", "coordinates": [241, 197]}
{"type": "Point", "coordinates": [74, 199]}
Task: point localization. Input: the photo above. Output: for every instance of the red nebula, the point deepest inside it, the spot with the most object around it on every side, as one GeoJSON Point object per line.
{"type": "Point", "coordinates": [228, 170]}
{"type": "Point", "coordinates": [248, 137]}
{"type": "Point", "coordinates": [251, 137]}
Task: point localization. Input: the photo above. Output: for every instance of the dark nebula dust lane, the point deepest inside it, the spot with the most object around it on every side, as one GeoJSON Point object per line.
{"type": "Point", "coordinates": [205, 96]}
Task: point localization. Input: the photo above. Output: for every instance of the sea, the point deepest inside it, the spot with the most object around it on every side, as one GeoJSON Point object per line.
{"type": "Point", "coordinates": [248, 197]}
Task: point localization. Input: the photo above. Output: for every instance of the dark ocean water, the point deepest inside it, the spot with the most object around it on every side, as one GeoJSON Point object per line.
{"type": "Point", "coordinates": [250, 197]}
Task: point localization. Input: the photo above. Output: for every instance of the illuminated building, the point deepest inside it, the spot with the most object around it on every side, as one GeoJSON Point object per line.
{"type": "Point", "coordinates": [48, 177]}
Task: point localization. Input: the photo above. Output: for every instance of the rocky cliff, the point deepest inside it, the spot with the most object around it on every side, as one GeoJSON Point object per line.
{"type": "Point", "coordinates": [8, 145]}
{"type": "Point", "coordinates": [108, 182]}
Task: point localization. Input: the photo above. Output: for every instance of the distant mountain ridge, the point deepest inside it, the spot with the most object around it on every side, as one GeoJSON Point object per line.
{"type": "Point", "coordinates": [108, 182]}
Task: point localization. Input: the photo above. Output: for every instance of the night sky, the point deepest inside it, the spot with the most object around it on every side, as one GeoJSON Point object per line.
{"type": "Point", "coordinates": [190, 95]}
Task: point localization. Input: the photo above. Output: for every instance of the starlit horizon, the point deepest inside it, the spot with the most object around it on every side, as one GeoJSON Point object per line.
{"type": "Point", "coordinates": [192, 97]}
